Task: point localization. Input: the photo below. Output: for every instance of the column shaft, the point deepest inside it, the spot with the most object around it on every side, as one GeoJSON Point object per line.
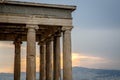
{"type": "Point", "coordinates": [17, 59]}
{"type": "Point", "coordinates": [42, 61]}
{"type": "Point", "coordinates": [49, 60]}
{"type": "Point", "coordinates": [67, 63]}
{"type": "Point", "coordinates": [31, 54]}
{"type": "Point", "coordinates": [57, 58]}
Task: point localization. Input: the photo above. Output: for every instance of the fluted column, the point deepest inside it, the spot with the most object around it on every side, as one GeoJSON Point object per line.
{"type": "Point", "coordinates": [67, 62]}
{"type": "Point", "coordinates": [31, 53]}
{"type": "Point", "coordinates": [56, 47]}
{"type": "Point", "coordinates": [49, 60]}
{"type": "Point", "coordinates": [17, 59]}
{"type": "Point", "coordinates": [42, 61]}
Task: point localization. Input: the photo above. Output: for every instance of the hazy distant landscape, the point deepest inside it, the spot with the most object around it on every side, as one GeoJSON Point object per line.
{"type": "Point", "coordinates": [79, 73]}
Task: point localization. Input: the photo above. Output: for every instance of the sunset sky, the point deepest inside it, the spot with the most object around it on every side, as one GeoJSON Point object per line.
{"type": "Point", "coordinates": [95, 36]}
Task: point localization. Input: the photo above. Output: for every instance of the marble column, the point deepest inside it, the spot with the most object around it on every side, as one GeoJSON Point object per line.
{"type": "Point", "coordinates": [49, 60]}
{"type": "Point", "coordinates": [56, 56]}
{"type": "Point", "coordinates": [42, 61]}
{"type": "Point", "coordinates": [17, 59]}
{"type": "Point", "coordinates": [31, 53]}
{"type": "Point", "coordinates": [67, 62]}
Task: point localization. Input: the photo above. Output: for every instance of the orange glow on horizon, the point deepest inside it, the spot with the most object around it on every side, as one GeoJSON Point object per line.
{"type": "Point", "coordinates": [77, 60]}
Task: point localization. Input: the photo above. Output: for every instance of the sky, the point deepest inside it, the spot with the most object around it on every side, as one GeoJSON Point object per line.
{"type": "Point", "coordinates": [95, 36]}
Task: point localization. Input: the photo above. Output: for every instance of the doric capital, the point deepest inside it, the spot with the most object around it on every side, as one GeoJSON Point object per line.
{"type": "Point", "coordinates": [41, 43]}
{"type": "Point", "coordinates": [57, 34]}
{"type": "Point", "coordinates": [64, 28]}
{"type": "Point", "coordinates": [17, 41]}
{"type": "Point", "coordinates": [32, 26]}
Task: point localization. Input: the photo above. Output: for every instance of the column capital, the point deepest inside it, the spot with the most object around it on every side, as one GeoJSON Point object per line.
{"type": "Point", "coordinates": [57, 34]}
{"type": "Point", "coordinates": [64, 28]}
{"type": "Point", "coordinates": [41, 43]}
{"type": "Point", "coordinates": [32, 26]}
{"type": "Point", "coordinates": [17, 40]}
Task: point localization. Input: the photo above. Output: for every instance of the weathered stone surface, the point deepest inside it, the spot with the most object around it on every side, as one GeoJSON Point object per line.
{"type": "Point", "coordinates": [67, 57]}
{"type": "Point", "coordinates": [49, 60]}
{"type": "Point", "coordinates": [17, 59]}
{"type": "Point", "coordinates": [42, 61]}
{"type": "Point", "coordinates": [31, 53]}
{"type": "Point", "coordinates": [32, 19]}
{"type": "Point", "coordinates": [45, 10]}
{"type": "Point", "coordinates": [57, 66]}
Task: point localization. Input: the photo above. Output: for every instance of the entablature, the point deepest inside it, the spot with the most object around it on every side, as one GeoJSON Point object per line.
{"type": "Point", "coordinates": [29, 8]}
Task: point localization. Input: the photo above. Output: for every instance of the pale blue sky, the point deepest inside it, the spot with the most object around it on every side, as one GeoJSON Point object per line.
{"type": "Point", "coordinates": [96, 30]}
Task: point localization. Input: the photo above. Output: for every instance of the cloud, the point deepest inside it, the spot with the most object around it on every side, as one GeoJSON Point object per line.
{"type": "Point", "coordinates": [88, 61]}
{"type": "Point", "coordinates": [82, 60]}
